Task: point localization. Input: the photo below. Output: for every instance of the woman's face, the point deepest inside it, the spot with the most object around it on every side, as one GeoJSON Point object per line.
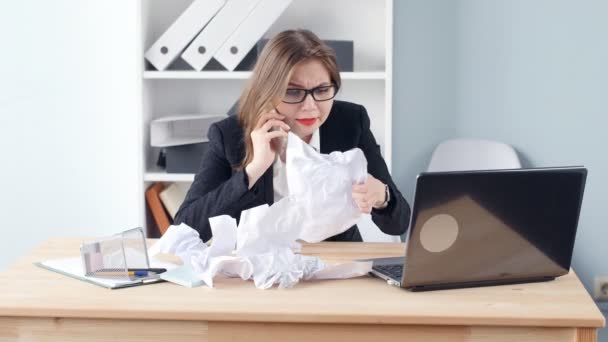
{"type": "Point", "coordinates": [307, 116]}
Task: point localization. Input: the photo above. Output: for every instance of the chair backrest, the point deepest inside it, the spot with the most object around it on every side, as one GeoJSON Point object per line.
{"type": "Point", "coordinates": [473, 154]}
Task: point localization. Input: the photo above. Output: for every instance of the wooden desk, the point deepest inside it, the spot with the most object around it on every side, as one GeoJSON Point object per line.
{"type": "Point", "coordinates": [36, 304]}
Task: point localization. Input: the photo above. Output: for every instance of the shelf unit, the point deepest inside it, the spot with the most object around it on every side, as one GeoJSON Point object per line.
{"type": "Point", "coordinates": [185, 91]}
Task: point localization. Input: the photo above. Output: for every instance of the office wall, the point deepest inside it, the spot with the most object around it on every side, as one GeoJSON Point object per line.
{"type": "Point", "coordinates": [533, 74]}
{"type": "Point", "coordinates": [425, 70]}
{"type": "Point", "coordinates": [68, 127]}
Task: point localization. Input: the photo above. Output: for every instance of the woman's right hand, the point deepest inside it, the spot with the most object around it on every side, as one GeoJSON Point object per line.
{"type": "Point", "coordinates": [270, 126]}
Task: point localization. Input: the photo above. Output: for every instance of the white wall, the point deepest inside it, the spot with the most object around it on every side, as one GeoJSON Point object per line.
{"type": "Point", "coordinates": [69, 100]}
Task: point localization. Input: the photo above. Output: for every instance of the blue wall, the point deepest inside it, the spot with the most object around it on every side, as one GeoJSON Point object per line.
{"type": "Point", "coordinates": [533, 74]}
{"type": "Point", "coordinates": [424, 81]}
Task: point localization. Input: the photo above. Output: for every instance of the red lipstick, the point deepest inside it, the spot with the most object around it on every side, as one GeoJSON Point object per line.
{"type": "Point", "coordinates": [307, 122]}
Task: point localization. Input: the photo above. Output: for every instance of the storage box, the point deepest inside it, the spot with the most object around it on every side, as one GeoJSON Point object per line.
{"type": "Point", "coordinates": [185, 158]}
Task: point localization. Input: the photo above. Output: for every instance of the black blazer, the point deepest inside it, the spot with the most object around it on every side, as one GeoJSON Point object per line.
{"type": "Point", "coordinates": [219, 189]}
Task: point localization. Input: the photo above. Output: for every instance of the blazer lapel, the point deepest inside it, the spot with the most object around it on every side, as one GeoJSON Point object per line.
{"type": "Point", "coordinates": [329, 133]}
{"type": "Point", "coordinates": [267, 186]}
{"type": "Point", "coordinates": [325, 144]}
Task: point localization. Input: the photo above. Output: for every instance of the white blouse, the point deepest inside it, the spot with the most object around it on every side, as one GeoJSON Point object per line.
{"type": "Point", "coordinates": [279, 172]}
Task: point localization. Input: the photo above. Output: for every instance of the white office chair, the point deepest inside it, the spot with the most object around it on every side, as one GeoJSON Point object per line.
{"type": "Point", "coordinates": [473, 154]}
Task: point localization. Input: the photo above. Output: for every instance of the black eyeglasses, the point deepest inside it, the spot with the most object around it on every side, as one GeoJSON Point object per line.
{"type": "Point", "coordinates": [321, 93]}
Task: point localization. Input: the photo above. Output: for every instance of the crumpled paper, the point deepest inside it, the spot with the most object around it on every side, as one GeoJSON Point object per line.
{"type": "Point", "coordinates": [319, 205]}
{"type": "Point", "coordinates": [320, 189]}
{"type": "Point", "coordinates": [278, 265]}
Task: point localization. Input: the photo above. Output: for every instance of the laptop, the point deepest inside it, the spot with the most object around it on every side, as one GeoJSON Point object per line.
{"type": "Point", "coordinates": [491, 227]}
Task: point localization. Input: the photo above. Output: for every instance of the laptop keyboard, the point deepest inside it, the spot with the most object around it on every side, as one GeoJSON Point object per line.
{"type": "Point", "coordinates": [394, 271]}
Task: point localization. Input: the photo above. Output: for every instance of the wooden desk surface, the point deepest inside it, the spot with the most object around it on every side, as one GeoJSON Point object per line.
{"type": "Point", "coordinates": [29, 291]}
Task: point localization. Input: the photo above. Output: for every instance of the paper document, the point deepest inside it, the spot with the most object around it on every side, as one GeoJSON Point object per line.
{"type": "Point", "coordinates": [72, 267]}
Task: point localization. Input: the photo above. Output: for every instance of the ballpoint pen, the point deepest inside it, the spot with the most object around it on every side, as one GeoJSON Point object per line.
{"type": "Point", "coordinates": [155, 270]}
{"type": "Point", "coordinates": [131, 272]}
{"type": "Point", "coordinates": [120, 273]}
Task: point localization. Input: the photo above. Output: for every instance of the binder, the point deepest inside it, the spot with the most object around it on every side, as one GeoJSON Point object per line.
{"type": "Point", "coordinates": [173, 41]}
{"type": "Point", "coordinates": [219, 29]}
{"type": "Point", "coordinates": [159, 214]}
{"type": "Point", "coordinates": [249, 32]}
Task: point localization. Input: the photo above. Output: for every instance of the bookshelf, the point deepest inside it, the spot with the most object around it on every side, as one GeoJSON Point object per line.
{"type": "Point", "coordinates": [368, 23]}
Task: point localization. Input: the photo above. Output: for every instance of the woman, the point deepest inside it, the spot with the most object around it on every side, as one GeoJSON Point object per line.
{"type": "Point", "coordinates": [292, 88]}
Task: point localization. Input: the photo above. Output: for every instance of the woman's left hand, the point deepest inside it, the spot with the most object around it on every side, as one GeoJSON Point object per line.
{"type": "Point", "coordinates": [369, 195]}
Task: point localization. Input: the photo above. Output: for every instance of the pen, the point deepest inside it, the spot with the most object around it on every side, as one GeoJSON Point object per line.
{"type": "Point", "coordinates": [131, 272]}
{"type": "Point", "coordinates": [119, 273]}
{"type": "Point", "coordinates": [153, 270]}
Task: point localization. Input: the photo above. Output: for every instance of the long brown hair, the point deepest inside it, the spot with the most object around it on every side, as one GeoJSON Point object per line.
{"type": "Point", "coordinates": [271, 75]}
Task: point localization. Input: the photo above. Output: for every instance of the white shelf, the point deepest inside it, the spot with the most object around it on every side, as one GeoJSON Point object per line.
{"type": "Point", "coordinates": [159, 175]}
{"type": "Point", "coordinates": [243, 75]}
